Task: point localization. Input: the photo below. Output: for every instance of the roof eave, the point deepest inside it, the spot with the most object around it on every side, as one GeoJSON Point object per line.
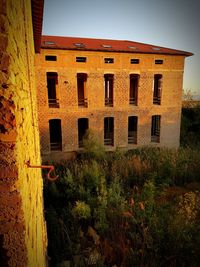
{"type": "Point", "coordinates": [179, 53]}
{"type": "Point", "coordinates": [37, 7]}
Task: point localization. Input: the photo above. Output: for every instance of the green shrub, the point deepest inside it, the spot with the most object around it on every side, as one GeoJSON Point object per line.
{"type": "Point", "coordinates": [92, 148]}
{"type": "Point", "coordinates": [81, 210]}
{"type": "Point", "coordinates": [125, 197]}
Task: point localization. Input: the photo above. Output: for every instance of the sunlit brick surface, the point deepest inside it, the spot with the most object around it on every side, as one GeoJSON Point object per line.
{"type": "Point", "coordinates": [95, 68]}
{"type": "Point", "coordinates": [22, 227]}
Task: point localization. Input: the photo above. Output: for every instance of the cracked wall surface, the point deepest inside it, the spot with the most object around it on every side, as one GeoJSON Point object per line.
{"type": "Point", "coordinates": [22, 225]}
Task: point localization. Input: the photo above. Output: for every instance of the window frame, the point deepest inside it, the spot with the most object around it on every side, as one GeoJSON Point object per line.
{"type": "Point", "coordinates": [108, 132]}
{"type": "Point", "coordinates": [109, 89]}
{"type": "Point", "coordinates": [50, 58]}
{"type": "Point", "coordinates": [57, 144]}
{"type": "Point", "coordinates": [81, 90]}
{"type": "Point", "coordinates": [109, 60]}
{"type": "Point", "coordinates": [80, 131]}
{"type": "Point", "coordinates": [155, 128]}
{"type": "Point", "coordinates": [157, 89]}
{"type": "Point", "coordinates": [133, 88]}
{"type": "Point", "coordinates": [52, 81]}
{"type": "Point", "coordinates": [81, 59]}
{"type": "Point", "coordinates": [158, 61]}
{"type": "Point", "coordinates": [135, 61]}
{"type": "Point", "coordinates": [132, 134]}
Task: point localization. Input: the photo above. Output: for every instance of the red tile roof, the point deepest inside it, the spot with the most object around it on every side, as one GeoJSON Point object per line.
{"type": "Point", "coordinates": [91, 44]}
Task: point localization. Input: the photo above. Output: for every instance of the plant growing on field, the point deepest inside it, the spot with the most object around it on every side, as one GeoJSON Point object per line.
{"type": "Point", "coordinates": [126, 208]}
{"type": "Point", "coordinates": [81, 210]}
{"type": "Point", "coordinates": [92, 148]}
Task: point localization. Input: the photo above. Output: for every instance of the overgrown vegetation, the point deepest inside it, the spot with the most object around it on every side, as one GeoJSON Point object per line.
{"type": "Point", "coordinates": [135, 208]}
{"type": "Point", "coordinates": [190, 126]}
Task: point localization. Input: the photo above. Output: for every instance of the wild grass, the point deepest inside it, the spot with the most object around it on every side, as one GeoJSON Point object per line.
{"type": "Point", "coordinates": [125, 208]}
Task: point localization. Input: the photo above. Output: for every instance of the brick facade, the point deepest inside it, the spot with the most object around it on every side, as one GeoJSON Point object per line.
{"type": "Point", "coordinates": [23, 239]}
{"type": "Point", "coordinates": [68, 112]}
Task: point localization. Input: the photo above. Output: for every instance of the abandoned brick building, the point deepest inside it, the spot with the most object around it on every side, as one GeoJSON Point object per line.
{"type": "Point", "coordinates": [127, 93]}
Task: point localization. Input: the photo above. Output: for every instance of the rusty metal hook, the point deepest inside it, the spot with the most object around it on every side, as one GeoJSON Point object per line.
{"type": "Point", "coordinates": [50, 167]}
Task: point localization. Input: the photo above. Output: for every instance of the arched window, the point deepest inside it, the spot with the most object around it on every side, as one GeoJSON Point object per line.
{"type": "Point", "coordinates": [108, 82]}
{"type": "Point", "coordinates": [52, 80]}
{"type": "Point", "coordinates": [157, 89]}
{"type": "Point", "coordinates": [133, 95]}
{"type": "Point", "coordinates": [81, 89]}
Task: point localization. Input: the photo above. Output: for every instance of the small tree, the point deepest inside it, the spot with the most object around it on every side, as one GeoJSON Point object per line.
{"type": "Point", "coordinates": [187, 98]}
{"type": "Point", "coordinates": [92, 148]}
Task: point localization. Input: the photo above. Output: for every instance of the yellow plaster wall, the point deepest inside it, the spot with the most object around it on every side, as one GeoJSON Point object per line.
{"type": "Point", "coordinates": [22, 226]}
{"type": "Point", "coordinates": [69, 112]}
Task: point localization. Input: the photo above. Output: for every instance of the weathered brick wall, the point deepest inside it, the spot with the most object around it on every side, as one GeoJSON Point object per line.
{"type": "Point", "coordinates": [69, 112]}
{"type": "Point", "coordinates": [22, 226]}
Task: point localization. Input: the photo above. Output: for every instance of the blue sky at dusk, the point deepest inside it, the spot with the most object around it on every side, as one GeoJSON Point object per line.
{"type": "Point", "coordinates": [169, 23]}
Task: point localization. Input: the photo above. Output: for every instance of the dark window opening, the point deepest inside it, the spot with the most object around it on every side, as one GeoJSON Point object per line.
{"type": "Point", "coordinates": [157, 89]}
{"type": "Point", "coordinates": [109, 131]}
{"type": "Point", "coordinates": [55, 135]}
{"type": "Point", "coordinates": [132, 129]}
{"type": "Point", "coordinates": [108, 80]}
{"type": "Point", "coordinates": [81, 87]}
{"type": "Point", "coordinates": [51, 58]}
{"type": "Point", "coordinates": [109, 60]}
{"type": "Point", "coordinates": [52, 80]}
{"type": "Point", "coordinates": [81, 59]}
{"type": "Point", "coordinates": [82, 129]}
{"type": "Point", "coordinates": [134, 82]}
{"type": "Point", "coordinates": [155, 128]}
{"type": "Point", "coordinates": [135, 61]}
{"type": "Point", "coordinates": [158, 61]}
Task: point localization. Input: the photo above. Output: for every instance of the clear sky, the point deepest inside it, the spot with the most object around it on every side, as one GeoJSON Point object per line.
{"type": "Point", "coordinates": [169, 23]}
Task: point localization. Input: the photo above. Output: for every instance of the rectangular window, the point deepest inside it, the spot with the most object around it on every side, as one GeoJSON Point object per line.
{"type": "Point", "coordinates": [82, 129]}
{"type": "Point", "coordinates": [81, 59]}
{"type": "Point", "coordinates": [135, 61]}
{"type": "Point", "coordinates": [51, 58]}
{"type": "Point", "coordinates": [108, 84]}
{"type": "Point", "coordinates": [155, 128]}
{"type": "Point", "coordinates": [55, 134]}
{"type": "Point", "coordinates": [81, 88]}
{"type": "Point", "coordinates": [157, 89]}
{"type": "Point", "coordinates": [108, 60]}
{"type": "Point", "coordinates": [133, 94]}
{"type": "Point", "coordinates": [132, 129]}
{"type": "Point", "coordinates": [158, 61]}
{"type": "Point", "coordinates": [109, 131]}
{"type": "Point", "coordinates": [52, 80]}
